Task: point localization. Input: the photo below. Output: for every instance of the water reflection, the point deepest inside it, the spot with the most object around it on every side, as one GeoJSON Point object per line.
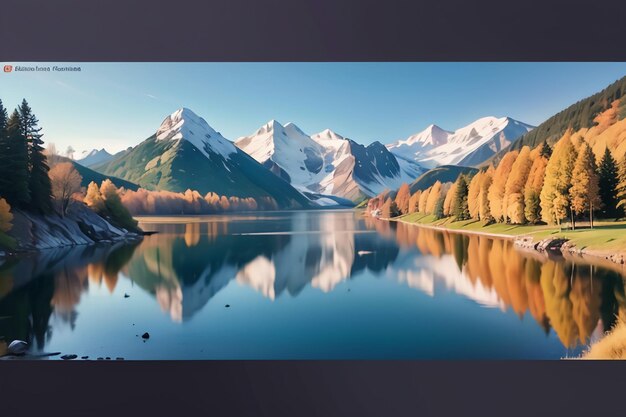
{"type": "Point", "coordinates": [572, 296]}
{"type": "Point", "coordinates": [186, 264]}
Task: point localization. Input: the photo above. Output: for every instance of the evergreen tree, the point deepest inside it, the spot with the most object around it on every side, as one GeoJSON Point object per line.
{"type": "Point", "coordinates": [584, 194]}
{"type": "Point", "coordinates": [14, 164]}
{"type": "Point", "coordinates": [608, 180]}
{"type": "Point", "coordinates": [438, 212]}
{"type": "Point", "coordinates": [460, 207]}
{"type": "Point", "coordinates": [39, 180]}
{"type": "Point", "coordinates": [546, 150]}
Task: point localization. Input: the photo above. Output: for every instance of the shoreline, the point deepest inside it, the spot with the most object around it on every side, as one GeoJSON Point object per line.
{"type": "Point", "coordinates": [614, 259]}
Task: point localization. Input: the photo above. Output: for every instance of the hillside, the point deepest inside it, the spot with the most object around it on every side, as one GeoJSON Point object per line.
{"type": "Point", "coordinates": [580, 115]}
{"type": "Point", "coordinates": [90, 175]}
{"type": "Point", "coordinates": [445, 173]}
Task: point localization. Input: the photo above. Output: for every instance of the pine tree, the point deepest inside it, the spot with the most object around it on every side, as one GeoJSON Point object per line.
{"type": "Point", "coordinates": [460, 208]}
{"type": "Point", "coordinates": [608, 180]}
{"type": "Point", "coordinates": [14, 164]}
{"type": "Point", "coordinates": [546, 150]}
{"type": "Point", "coordinates": [438, 211]}
{"type": "Point", "coordinates": [584, 193]}
{"type": "Point", "coordinates": [39, 180]}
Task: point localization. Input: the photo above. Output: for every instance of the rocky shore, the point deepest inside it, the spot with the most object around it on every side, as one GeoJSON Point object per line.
{"type": "Point", "coordinates": [565, 247]}
{"type": "Point", "coordinates": [81, 226]}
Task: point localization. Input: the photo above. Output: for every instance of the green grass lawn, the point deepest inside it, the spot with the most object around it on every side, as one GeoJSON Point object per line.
{"type": "Point", "coordinates": [606, 234]}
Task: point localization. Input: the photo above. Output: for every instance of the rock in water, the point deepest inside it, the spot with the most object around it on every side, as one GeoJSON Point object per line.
{"type": "Point", "coordinates": [69, 357]}
{"type": "Point", "coordinates": [17, 347]}
{"type": "Point", "coordinates": [146, 335]}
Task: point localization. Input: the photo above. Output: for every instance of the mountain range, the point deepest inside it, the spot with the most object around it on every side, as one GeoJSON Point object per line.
{"type": "Point", "coordinates": [290, 166]}
{"type": "Point", "coordinates": [187, 153]}
{"type": "Point", "coordinates": [468, 146]}
{"type": "Point", "coordinates": [94, 157]}
{"type": "Point", "coordinates": [327, 163]}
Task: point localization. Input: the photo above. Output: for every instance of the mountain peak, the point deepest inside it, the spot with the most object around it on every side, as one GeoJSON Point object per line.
{"type": "Point", "coordinates": [184, 124]}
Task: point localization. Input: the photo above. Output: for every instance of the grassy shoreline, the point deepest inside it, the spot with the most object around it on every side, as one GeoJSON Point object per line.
{"type": "Point", "coordinates": [606, 240]}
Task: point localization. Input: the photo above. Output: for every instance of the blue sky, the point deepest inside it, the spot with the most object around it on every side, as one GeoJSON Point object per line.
{"type": "Point", "coordinates": [116, 105]}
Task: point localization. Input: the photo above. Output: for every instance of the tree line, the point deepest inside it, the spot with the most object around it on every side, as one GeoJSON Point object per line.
{"type": "Point", "coordinates": [528, 186]}
{"type": "Point", "coordinates": [145, 201]}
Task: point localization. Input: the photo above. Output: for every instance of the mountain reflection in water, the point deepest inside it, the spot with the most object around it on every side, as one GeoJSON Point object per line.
{"type": "Point", "coordinates": [281, 255]}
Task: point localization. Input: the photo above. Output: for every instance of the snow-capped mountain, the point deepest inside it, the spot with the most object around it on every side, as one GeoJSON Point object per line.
{"type": "Point", "coordinates": [187, 153]}
{"type": "Point", "coordinates": [94, 157]}
{"type": "Point", "coordinates": [468, 146]}
{"type": "Point", "coordinates": [327, 163]}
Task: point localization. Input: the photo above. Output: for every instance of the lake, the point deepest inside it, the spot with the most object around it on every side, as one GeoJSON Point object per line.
{"type": "Point", "coordinates": [305, 285]}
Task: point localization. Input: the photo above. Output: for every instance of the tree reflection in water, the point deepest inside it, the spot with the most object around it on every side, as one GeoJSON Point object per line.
{"type": "Point", "coordinates": [186, 264]}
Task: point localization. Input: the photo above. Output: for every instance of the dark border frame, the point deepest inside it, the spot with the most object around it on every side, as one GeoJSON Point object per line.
{"type": "Point", "coordinates": [312, 30]}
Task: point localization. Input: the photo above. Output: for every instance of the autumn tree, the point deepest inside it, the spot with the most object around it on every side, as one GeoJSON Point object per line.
{"type": "Point", "coordinates": [116, 210]}
{"type": "Point", "coordinates": [389, 209]}
{"type": "Point", "coordinates": [498, 186]}
{"type": "Point", "coordinates": [433, 197]}
{"type": "Point", "coordinates": [608, 182]}
{"type": "Point", "coordinates": [484, 209]}
{"type": "Point", "coordinates": [402, 198]}
{"type": "Point", "coordinates": [414, 202]}
{"type": "Point", "coordinates": [621, 187]}
{"type": "Point", "coordinates": [423, 200]}
{"type": "Point", "coordinates": [513, 208]}
{"type": "Point", "coordinates": [532, 189]}
{"type": "Point", "coordinates": [584, 193]}
{"type": "Point", "coordinates": [554, 195]}
{"type": "Point", "coordinates": [94, 199]}
{"type": "Point", "coordinates": [65, 182]}
{"type": "Point", "coordinates": [473, 196]}
{"type": "Point", "coordinates": [447, 203]}
{"type": "Point", "coordinates": [5, 216]}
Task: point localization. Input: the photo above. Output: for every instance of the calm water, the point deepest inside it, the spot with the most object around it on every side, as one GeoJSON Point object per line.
{"type": "Point", "coordinates": [305, 285]}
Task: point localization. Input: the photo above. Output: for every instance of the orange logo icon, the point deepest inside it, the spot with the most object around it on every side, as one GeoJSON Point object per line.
{"type": "Point", "coordinates": [8, 68]}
